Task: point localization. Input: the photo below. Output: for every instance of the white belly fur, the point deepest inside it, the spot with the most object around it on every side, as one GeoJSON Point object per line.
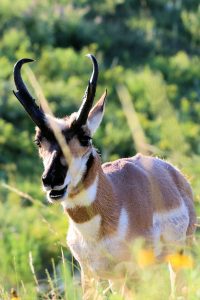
{"type": "Point", "coordinates": [98, 255]}
{"type": "Point", "coordinates": [170, 226]}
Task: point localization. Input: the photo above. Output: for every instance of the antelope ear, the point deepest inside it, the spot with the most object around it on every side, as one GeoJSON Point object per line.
{"type": "Point", "coordinates": [96, 114]}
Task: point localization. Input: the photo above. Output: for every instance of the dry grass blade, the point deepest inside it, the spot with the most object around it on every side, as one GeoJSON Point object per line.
{"type": "Point", "coordinates": [137, 132]}
{"type": "Point", "coordinates": [198, 222]}
{"type": "Point", "coordinates": [21, 194]}
{"type": "Point", "coordinates": [33, 271]}
{"type": "Point", "coordinates": [54, 126]}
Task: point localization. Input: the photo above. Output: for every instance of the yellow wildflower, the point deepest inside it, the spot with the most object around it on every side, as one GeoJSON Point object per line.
{"type": "Point", "coordinates": [146, 257]}
{"type": "Point", "coordinates": [14, 295]}
{"type": "Point", "coordinates": [180, 261]}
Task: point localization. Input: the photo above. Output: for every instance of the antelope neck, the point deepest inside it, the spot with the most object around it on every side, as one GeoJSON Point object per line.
{"type": "Point", "coordinates": [104, 204]}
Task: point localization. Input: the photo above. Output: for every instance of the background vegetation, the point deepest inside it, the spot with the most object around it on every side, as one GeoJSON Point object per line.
{"type": "Point", "coordinates": [149, 47]}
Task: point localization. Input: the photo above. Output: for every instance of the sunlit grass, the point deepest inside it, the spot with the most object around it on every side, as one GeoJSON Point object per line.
{"type": "Point", "coordinates": [149, 278]}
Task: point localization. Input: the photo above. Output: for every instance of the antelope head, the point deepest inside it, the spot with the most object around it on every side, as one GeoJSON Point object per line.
{"type": "Point", "coordinates": [60, 175]}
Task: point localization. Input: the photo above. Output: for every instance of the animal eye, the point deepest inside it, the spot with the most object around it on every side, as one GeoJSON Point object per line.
{"type": "Point", "coordinates": [85, 140]}
{"type": "Point", "coordinates": [37, 142]}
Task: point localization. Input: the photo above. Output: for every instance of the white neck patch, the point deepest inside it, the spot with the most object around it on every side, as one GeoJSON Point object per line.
{"type": "Point", "coordinates": [85, 198]}
{"type": "Point", "coordinates": [88, 229]}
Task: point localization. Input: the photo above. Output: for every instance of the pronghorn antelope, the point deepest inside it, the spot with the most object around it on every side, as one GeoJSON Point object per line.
{"type": "Point", "coordinates": [108, 205]}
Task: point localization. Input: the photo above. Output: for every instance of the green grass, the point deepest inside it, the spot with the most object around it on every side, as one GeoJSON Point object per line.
{"type": "Point", "coordinates": [34, 236]}
{"type": "Point", "coordinates": [149, 282]}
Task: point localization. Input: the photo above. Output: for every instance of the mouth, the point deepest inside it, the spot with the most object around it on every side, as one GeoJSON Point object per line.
{"type": "Point", "coordinates": [57, 194]}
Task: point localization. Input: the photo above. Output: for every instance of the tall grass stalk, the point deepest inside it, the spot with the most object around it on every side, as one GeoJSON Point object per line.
{"type": "Point", "coordinates": [33, 271]}
{"type": "Point", "coordinates": [137, 132]}
{"type": "Point", "coordinates": [45, 106]}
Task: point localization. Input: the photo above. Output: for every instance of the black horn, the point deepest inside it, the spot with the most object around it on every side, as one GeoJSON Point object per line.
{"type": "Point", "coordinates": [24, 96]}
{"type": "Point", "coordinates": [89, 95]}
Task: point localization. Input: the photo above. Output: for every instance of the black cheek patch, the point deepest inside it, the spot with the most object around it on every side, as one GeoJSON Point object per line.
{"type": "Point", "coordinates": [57, 172]}
{"type": "Point", "coordinates": [90, 162]}
{"type": "Point", "coordinates": [61, 170]}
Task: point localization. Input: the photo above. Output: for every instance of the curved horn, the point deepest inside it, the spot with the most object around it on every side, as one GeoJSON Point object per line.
{"type": "Point", "coordinates": [89, 95]}
{"type": "Point", "coordinates": [25, 98]}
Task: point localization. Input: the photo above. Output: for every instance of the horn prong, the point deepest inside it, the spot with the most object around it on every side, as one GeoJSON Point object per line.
{"type": "Point", "coordinates": [94, 76]}
{"type": "Point", "coordinates": [24, 96]}
{"type": "Point", "coordinates": [88, 98]}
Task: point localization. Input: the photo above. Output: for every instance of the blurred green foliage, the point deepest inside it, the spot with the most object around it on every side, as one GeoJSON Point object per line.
{"type": "Point", "coordinates": [152, 47]}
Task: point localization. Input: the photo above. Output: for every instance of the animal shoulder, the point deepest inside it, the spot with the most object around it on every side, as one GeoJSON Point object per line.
{"type": "Point", "coordinates": [145, 165]}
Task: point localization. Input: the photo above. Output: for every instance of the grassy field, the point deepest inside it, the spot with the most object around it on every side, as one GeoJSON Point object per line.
{"type": "Point", "coordinates": [147, 279]}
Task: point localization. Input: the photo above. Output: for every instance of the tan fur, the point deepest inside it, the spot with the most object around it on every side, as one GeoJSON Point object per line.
{"type": "Point", "coordinates": [75, 148]}
{"type": "Point", "coordinates": [143, 185]}
{"type": "Point", "coordinates": [152, 185]}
